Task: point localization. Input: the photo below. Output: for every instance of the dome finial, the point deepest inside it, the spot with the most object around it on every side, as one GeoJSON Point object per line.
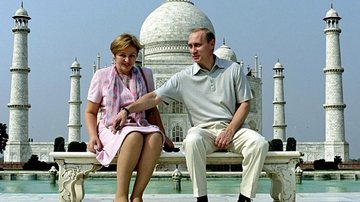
{"type": "Point", "coordinates": [331, 6]}
{"type": "Point", "coordinates": [223, 41]}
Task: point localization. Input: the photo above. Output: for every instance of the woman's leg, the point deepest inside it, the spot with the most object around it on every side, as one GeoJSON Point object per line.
{"type": "Point", "coordinates": [150, 154]}
{"type": "Point", "coordinates": [127, 159]}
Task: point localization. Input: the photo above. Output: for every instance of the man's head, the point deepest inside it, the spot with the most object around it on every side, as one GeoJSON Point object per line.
{"type": "Point", "coordinates": [201, 45]}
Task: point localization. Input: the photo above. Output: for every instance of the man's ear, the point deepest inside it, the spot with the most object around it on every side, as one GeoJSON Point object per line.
{"type": "Point", "coordinates": [212, 44]}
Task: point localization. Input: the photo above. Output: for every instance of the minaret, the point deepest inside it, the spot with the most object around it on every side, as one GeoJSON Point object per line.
{"type": "Point", "coordinates": [96, 65]}
{"type": "Point", "coordinates": [18, 146]}
{"type": "Point", "coordinates": [335, 144]}
{"type": "Point", "coordinates": [279, 125]}
{"type": "Point", "coordinates": [256, 68]}
{"type": "Point", "coordinates": [74, 104]}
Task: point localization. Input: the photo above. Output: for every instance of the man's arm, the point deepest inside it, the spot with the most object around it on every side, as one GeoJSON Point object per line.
{"type": "Point", "coordinates": [224, 139]}
{"type": "Point", "coordinates": [147, 101]}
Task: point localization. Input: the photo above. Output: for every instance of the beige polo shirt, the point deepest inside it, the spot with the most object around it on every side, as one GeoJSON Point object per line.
{"type": "Point", "coordinates": [208, 95]}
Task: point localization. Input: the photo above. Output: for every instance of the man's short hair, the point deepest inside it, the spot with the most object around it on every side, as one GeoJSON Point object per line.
{"type": "Point", "coordinates": [209, 35]}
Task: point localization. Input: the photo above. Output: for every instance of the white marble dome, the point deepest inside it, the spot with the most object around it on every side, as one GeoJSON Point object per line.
{"type": "Point", "coordinates": [75, 63]}
{"type": "Point", "coordinates": [278, 65]}
{"type": "Point", "coordinates": [173, 20]}
{"type": "Point", "coordinates": [225, 52]}
{"type": "Point", "coordinates": [166, 29]}
{"type": "Point", "coordinates": [332, 14]}
{"type": "Point", "coordinates": [21, 12]}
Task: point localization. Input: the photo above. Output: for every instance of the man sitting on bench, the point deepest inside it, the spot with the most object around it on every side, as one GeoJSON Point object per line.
{"type": "Point", "coordinates": [217, 97]}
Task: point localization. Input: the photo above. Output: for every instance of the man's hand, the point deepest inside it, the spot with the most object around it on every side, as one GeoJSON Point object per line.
{"type": "Point", "coordinates": [119, 120]}
{"type": "Point", "coordinates": [223, 140]}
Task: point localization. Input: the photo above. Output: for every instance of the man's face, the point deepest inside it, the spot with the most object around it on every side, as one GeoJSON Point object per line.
{"type": "Point", "coordinates": [201, 51]}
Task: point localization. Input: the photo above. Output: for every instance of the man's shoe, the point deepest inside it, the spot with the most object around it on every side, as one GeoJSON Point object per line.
{"type": "Point", "coordinates": [243, 198]}
{"type": "Point", "coordinates": [202, 199]}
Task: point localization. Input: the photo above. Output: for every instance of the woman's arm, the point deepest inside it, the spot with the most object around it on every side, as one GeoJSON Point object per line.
{"type": "Point", "coordinates": [91, 112]}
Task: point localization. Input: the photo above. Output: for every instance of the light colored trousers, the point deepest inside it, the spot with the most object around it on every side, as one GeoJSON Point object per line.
{"type": "Point", "coordinates": [200, 141]}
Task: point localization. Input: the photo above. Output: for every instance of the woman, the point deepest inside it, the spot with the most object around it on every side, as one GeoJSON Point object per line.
{"type": "Point", "coordinates": [139, 143]}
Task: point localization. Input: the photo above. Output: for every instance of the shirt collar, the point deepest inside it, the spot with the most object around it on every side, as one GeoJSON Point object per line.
{"type": "Point", "coordinates": [218, 64]}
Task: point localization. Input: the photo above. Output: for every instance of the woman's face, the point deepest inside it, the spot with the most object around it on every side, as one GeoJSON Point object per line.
{"type": "Point", "coordinates": [125, 59]}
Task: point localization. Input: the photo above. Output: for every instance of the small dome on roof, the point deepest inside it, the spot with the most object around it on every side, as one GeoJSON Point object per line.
{"type": "Point", "coordinates": [225, 52]}
{"type": "Point", "coordinates": [21, 12]}
{"type": "Point", "coordinates": [75, 63]}
{"type": "Point", "coordinates": [332, 14]}
{"type": "Point", "coordinates": [278, 65]}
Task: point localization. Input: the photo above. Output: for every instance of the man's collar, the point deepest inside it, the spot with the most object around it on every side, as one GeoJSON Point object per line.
{"type": "Point", "coordinates": [218, 64]}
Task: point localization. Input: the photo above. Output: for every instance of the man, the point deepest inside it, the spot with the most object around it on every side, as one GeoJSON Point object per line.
{"type": "Point", "coordinates": [217, 97]}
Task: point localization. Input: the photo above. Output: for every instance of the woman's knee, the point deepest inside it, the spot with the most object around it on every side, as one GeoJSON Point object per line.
{"type": "Point", "coordinates": [134, 138]}
{"type": "Point", "coordinates": [154, 139]}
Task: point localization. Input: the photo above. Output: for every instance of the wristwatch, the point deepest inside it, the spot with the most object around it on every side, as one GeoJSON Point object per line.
{"type": "Point", "coordinates": [127, 110]}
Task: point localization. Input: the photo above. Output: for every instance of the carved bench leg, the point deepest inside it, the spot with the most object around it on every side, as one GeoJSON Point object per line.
{"type": "Point", "coordinates": [71, 180]}
{"type": "Point", "coordinates": [283, 184]}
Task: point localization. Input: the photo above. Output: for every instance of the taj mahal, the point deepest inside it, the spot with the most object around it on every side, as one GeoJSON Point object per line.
{"type": "Point", "coordinates": [164, 34]}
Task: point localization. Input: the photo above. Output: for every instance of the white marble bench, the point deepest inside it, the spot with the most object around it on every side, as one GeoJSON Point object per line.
{"type": "Point", "coordinates": [75, 166]}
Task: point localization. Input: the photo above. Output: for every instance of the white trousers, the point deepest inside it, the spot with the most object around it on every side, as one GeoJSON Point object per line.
{"type": "Point", "coordinates": [200, 141]}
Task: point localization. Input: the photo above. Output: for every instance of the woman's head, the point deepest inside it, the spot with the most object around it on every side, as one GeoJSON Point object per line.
{"type": "Point", "coordinates": [123, 41]}
{"type": "Point", "coordinates": [125, 49]}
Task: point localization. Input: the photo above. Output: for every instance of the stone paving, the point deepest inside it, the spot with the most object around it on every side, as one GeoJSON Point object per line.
{"type": "Point", "coordinates": [301, 197]}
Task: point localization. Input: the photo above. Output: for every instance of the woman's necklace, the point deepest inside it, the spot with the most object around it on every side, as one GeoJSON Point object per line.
{"type": "Point", "coordinates": [125, 78]}
{"type": "Point", "coordinates": [126, 81]}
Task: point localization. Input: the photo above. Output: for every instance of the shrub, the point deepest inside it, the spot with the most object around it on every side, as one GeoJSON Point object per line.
{"type": "Point", "coordinates": [3, 137]}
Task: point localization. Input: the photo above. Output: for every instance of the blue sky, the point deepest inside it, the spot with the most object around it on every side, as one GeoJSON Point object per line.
{"type": "Point", "coordinates": [286, 29]}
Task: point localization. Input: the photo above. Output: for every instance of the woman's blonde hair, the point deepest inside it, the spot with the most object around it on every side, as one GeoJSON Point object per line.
{"type": "Point", "coordinates": [123, 41]}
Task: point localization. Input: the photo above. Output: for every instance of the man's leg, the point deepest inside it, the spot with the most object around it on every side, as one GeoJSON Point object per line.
{"type": "Point", "coordinates": [254, 148]}
{"type": "Point", "coordinates": [196, 145]}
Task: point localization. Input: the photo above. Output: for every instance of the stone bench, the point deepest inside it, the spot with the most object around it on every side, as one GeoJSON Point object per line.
{"type": "Point", "coordinates": [74, 167]}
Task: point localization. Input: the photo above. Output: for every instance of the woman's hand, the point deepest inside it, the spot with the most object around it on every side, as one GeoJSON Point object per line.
{"type": "Point", "coordinates": [94, 144]}
{"type": "Point", "coordinates": [169, 146]}
{"type": "Point", "coordinates": [119, 120]}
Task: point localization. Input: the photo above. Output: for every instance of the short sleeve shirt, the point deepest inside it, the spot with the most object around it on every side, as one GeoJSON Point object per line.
{"type": "Point", "coordinates": [208, 95]}
{"type": "Point", "coordinates": [100, 83]}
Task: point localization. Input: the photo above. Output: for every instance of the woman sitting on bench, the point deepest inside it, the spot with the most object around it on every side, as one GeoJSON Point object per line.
{"type": "Point", "coordinates": [139, 143]}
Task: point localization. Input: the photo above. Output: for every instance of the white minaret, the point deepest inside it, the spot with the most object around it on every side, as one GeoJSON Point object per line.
{"type": "Point", "coordinates": [74, 104]}
{"type": "Point", "coordinates": [256, 68]}
{"type": "Point", "coordinates": [18, 149]}
{"type": "Point", "coordinates": [335, 144]}
{"type": "Point", "coordinates": [279, 125]}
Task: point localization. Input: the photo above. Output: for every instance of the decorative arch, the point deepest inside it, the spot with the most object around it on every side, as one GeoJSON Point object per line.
{"type": "Point", "coordinates": [177, 107]}
{"type": "Point", "coordinates": [177, 133]}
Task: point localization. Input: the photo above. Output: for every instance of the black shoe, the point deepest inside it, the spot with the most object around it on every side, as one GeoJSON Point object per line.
{"type": "Point", "coordinates": [202, 199]}
{"type": "Point", "coordinates": [169, 149]}
{"type": "Point", "coordinates": [243, 198]}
